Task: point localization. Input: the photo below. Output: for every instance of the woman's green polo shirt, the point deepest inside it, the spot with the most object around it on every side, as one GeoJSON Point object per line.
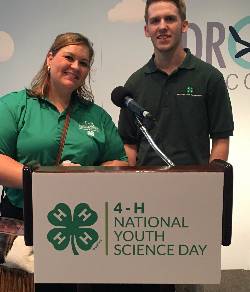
{"type": "Point", "coordinates": [31, 129]}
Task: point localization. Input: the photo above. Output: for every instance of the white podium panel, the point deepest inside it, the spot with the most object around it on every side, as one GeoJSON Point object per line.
{"type": "Point", "coordinates": [127, 227]}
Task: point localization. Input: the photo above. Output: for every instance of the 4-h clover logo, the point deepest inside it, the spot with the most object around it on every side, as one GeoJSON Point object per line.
{"type": "Point", "coordinates": [190, 90]}
{"type": "Point", "coordinates": [73, 230]}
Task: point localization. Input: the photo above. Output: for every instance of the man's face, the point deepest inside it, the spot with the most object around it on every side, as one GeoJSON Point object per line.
{"type": "Point", "coordinates": [165, 26]}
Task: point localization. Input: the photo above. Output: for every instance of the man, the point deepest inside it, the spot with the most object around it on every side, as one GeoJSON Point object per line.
{"type": "Point", "coordinates": [187, 96]}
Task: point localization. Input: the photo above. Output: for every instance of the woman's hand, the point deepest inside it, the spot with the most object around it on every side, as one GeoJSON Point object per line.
{"type": "Point", "coordinates": [106, 163]}
{"type": "Point", "coordinates": [69, 163]}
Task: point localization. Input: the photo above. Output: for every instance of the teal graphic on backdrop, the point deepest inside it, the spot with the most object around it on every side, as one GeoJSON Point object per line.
{"type": "Point", "coordinates": [239, 40]}
{"type": "Point", "coordinates": [72, 230]}
{"type": "Point", "coordinates": [234, 38]}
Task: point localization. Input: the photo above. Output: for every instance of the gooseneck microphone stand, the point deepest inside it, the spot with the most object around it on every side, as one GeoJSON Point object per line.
{"type": "Point", "coordinates": [152, 143]}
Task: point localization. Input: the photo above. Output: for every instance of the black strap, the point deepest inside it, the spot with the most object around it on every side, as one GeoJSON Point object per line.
{"type": "Point", "coordinates": [63, 138]}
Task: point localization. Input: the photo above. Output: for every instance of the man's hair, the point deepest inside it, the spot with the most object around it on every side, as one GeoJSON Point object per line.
{"type": "Point", "coordinates": [180, 4]}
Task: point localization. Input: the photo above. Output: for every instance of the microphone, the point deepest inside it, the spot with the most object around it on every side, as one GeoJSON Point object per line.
{"type": "Point", "coordinates": [122, 97]}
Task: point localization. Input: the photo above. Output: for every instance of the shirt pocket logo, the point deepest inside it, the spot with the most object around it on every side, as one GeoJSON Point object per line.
{"type": "Point", "coordinates": [189, 91]}
{"type": "Point", "coordinates": [89, 128]}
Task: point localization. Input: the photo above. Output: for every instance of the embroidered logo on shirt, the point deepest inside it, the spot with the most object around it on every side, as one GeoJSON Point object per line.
{"type": "Point", "coordinates": [189, 91]}
{"type": "Point", "coordinates": [90, 128]}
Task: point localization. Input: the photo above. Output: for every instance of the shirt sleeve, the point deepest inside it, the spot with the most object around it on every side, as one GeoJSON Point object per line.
{"type": "Point", "coordinates": [12, 111]}
{"type": "Point", "coordinates": [114, 148]}
{"type": "Point", "coordinates": [126, 124]}
{"type": "Point", "coordinates": [8, 130]}
{"type": "Point", "coordinates": [220, 111]}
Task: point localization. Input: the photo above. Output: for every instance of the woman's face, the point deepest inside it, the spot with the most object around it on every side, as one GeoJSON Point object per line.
{"type": "Point", "coordinates": [69, 67]}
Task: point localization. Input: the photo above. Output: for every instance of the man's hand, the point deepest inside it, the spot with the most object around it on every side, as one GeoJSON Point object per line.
{"type": "Point", "coordinates": [220, 149]}
{"type": "Point", "coordinates": [131, 151]}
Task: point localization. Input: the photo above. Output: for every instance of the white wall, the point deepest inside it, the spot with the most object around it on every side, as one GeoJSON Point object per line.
{"type": "Point", "coordinates": [28, 27]}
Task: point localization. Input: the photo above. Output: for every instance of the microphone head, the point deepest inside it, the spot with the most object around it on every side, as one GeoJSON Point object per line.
{"type": "Point", "coordinates": [118, 96]}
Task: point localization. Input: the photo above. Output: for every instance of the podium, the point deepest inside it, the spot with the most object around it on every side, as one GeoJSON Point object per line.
{"type": "Point", "coordinates": [152, 225]}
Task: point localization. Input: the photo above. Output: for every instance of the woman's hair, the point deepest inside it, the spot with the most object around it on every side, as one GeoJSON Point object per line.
{"type": "Point", "coordinates": [40, 83]}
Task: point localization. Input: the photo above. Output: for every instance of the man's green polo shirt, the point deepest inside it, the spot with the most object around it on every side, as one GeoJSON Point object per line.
{"type": "Point", "coordinates": [31, 129]}
{"type": "Point", "coordinates": [190, 106]}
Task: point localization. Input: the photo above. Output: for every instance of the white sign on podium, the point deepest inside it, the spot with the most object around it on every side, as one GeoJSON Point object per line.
{"type": "Point", "coordinates": [127, 227]}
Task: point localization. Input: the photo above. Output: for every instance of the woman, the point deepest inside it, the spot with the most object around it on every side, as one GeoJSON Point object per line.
{"type": "Point", "coordinates": [58, 102]}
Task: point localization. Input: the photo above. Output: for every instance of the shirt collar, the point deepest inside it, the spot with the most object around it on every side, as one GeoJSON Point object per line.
{"type": "Point", "coordinates": [76, 101]}
{"type": "Point", "coordinates": [188, 63]}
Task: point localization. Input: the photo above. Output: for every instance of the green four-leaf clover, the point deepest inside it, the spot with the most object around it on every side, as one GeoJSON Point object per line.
{"type": "Point", "coordinates": [190, 90]}
{"type": "Point", "coordinates": [75, 230]}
